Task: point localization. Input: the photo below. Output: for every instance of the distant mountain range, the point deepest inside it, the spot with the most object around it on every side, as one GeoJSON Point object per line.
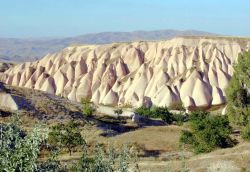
{"type": "Point", "coordinates": [21, 50]}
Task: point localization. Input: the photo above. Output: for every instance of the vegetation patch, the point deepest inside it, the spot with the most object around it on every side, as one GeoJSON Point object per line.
{"type": "Point", "coordinates": [207, 132]}
{"type": "Point", "coordinates": [161, 112]}
{"type": "Point", "coordinates": [238, 92]}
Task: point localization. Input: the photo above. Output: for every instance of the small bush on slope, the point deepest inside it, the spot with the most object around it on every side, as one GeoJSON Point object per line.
{"type": "Point", "coordinates": [207, 132]}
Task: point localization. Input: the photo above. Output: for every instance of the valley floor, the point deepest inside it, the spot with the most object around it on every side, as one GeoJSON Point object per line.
{"type": "Point", "coordinates": [157, 144]}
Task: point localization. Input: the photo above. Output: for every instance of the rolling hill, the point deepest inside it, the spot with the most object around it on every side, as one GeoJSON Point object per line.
{"type": "Point", "coordinates": [22, 50]}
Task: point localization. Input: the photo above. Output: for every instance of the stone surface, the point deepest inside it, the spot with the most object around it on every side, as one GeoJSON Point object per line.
{"type": "Point", "coordinates": [7, 101]}
{"type": "Point", "coordinates": [194, 70]}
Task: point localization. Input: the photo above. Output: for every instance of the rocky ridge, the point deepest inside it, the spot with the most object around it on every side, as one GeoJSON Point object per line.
{"type": "Point", "coordinates": [191, 70]}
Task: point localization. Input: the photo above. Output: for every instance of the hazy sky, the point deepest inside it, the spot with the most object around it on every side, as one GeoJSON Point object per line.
{"type": "Point", "coordinates": [60, 18]}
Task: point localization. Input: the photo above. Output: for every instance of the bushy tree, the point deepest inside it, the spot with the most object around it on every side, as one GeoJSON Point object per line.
{"type": "Point", "coordinates": [19, 151]}
{"type": "Point", "coordinates": [207, 132]}
{"type": "Point", "coordinates": [238, 91]}
{"type": "Point", "coordinates": [144, 111]}
{"type": "Point", "coordinates": [66, 135]}
{"type": "Point", "coordinates": [156, 112]}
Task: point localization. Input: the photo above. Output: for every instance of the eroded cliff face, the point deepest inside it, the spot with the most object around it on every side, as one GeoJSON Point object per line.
{"type": "Point", "coordinates": [192, 70]}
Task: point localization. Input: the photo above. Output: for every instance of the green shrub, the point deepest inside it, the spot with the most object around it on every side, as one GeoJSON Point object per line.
{"type": "Point", "coordinates": [246, 133]}
{"type": "Point", "coordinates": [207, 132]}
{"type": "Point", "coordinates": [52, 164]}
{"type": "Point", "coordinates": [163, 113]}
{"type": "Point", "coordinates": [155, 112]}
{"type": "Point", "coordinates": [180, 118]}
{"type": "Point", "coordinates": [101, 162]}
{"type": "Point", "coordinates": [88, 108]}
{"type": "Point", "coordinates": [144, 111]}
{"type": "Point", "coordinates": [187, 137]}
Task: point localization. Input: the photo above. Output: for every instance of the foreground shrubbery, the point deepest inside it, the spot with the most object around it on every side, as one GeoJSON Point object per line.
{"type": "Point", "coordinates": [97, 161]}
{"type": "Point", "coordinates": [19, 151]}
{"type": "Point", "coordinates": [162, 113]}
{"type": "Point", "coordinates": [207, 132]}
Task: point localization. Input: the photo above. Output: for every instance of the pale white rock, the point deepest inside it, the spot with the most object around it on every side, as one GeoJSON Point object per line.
{"type": "Point", "coordinates": [110, 99]}
{"type": "Point", "coordinates": [224, 111]}
{"type": "Point", "coordinates": [72, 95]}
{"type": "Point", "coordinates": [188, 102]}
{"type": "Point", "coordinates": [194, 70]}
{"type": "Point", "coordinates": [40, 81]}
{"type": "Point", "coordinates": [49, 85]}
{"type": "Point", "coordinates": [202, 93]}
{"type": "Point", "coordinates": [16, 79]}
{"type": "Point", "coordinates": [164, 97]}
{"type": "Point", "coordinates": [7, 101]}
{"type": "Point", "coordinates": [218, 97]}
{"type": "Point", "coordinates": [60, 82]}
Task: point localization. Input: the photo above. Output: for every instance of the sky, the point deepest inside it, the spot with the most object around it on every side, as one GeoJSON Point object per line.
{"type": "Point", "coordinates": [65, 18]}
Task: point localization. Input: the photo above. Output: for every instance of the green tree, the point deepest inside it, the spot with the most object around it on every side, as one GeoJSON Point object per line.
{"type": "Point", "coordinates": [238, 91]}
{"type": "Point", "coordinates": [88, 108]}
{"type": "Point", "coordinates": [66, 135]}
{"type": "Point", "coordinates": [207, 132]}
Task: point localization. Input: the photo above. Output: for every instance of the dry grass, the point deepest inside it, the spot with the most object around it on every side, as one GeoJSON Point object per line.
{"type": "Point", "coordinates": [230, 159]}
{"type": "Point", "coordinates": [155, 138]}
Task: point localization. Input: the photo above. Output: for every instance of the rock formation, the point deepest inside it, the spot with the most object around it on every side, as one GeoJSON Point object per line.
{"type": "Point", "coordinates": [7, 101]}
{"type": "Point", "coordinates": [194, 70]}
